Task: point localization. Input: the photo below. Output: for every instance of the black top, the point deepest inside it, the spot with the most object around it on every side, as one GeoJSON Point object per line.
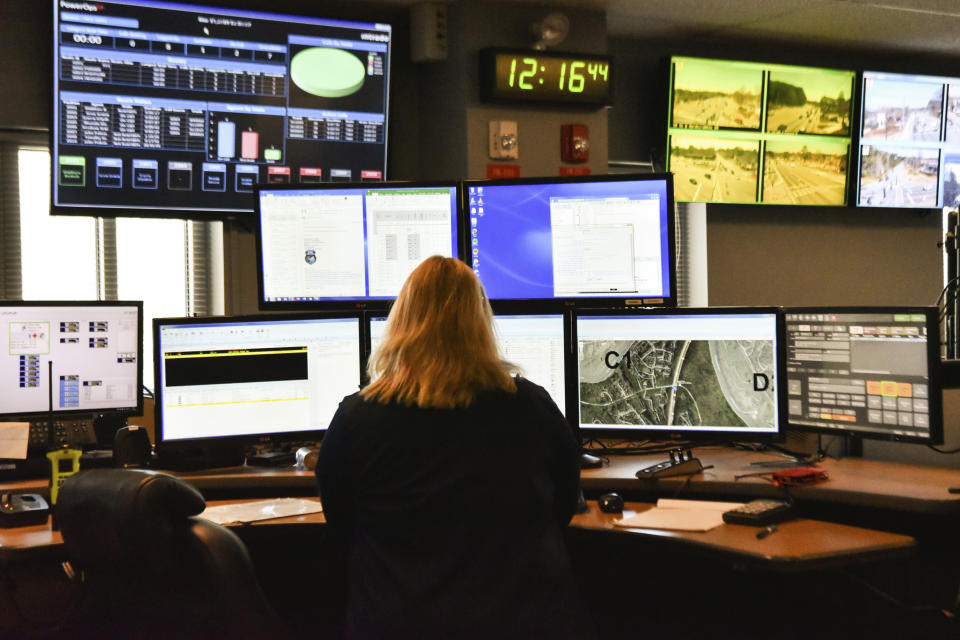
{"type": "Point", "coordinates": [454, 518]}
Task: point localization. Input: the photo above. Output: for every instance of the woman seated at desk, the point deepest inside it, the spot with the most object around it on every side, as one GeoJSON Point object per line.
{"type": "Point", "coordinates": [445, 538]}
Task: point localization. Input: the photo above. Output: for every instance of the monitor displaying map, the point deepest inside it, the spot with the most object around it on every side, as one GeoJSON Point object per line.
{"type": "Point", "coordinates": [688, 374]}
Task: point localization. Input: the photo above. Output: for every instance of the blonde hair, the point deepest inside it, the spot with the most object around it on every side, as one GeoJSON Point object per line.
{"type": "Point", "coordinates": [439, 348]}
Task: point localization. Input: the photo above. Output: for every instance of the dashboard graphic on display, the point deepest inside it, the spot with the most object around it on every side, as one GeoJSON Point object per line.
{"type": "Point", "coordinates": [95, 349]}
{"type": "Point", "coordinates": [910, 141]}
{"type": "Point", "coordinates": [748, 132]}
{"type": "Point", "coordinates": [241, 378]}
{"type": "Point", "coordinates": [535, 342]}
{"type": "Point", "coordinates": [697, 374]}
{"type": "Point", "coordinates": [181, 109]}
{"type": "Point", "coordinates": [867, 371]}
{"type": "Point", "coordinates": [581, 241]}
{"type": "Point", "coordinates": [349, 245]}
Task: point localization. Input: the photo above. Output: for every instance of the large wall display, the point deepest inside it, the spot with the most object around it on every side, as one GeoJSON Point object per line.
{"type": "Point", "coordinates": [746, 132]}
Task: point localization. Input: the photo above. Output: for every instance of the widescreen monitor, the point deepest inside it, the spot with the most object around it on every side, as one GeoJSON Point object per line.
{"type": "Point", "coordinates": [749, 132]}
{"type": "Point", "coordinates": [866, 371]}
{"type": "Point", "coordinates": [70, 357]}
{"type": "Point", "coordinates": [909, 141]}
{"type": "Point", "coordinates": [712, 374]}
{"type": "Point", "coordinates": [177, 109]}
{"type": "Point", "coordinates": [237, 379]}
{"type": "Point", "coordinates": [584, 241]}
{"type": "Point", "coordinates": [349, 245]}
{"type": "Point", "coordinates": [534, 341]}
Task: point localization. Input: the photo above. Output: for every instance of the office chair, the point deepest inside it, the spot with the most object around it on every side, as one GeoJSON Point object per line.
{"type": "Point", "coordinates": [149, 568]}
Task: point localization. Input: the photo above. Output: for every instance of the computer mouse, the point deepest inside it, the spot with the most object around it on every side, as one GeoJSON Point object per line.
{"type": "Point", "coordinates": [588, 461]}
{"type": "Point", "coordinates": [610, 502]}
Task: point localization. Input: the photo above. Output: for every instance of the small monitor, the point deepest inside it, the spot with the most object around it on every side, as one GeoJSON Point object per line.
{"type": "Point", "coordinates": [241, 378]}
{"type": "Point", "coordinates": [585, 241]}
{"type": "Point", "coordinates": [682, 374]}
{"type": "Point", "coordinates": [349, 245]}
{"type": "Point", "coordinates": [866, 371]}
{"type": "Point", "coordinates": [92, 350]}
{"type": "Point", "coordinates": [533, 340]}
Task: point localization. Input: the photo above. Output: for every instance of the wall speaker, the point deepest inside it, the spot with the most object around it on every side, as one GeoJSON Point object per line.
{"type": "Point", "coordinates": [131, 447]}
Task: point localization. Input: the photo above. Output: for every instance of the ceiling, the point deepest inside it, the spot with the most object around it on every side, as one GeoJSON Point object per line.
{"type": "Point", "coordinates": [921, 26]}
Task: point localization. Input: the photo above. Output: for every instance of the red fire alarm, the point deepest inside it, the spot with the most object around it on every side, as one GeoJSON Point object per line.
{"type": "Point", "coordinates": [574, 143]}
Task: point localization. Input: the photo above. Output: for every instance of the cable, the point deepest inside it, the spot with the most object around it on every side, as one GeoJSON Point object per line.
{"type": "Point", "coordinates": [947, 451]}
{"type": "Point", "coordinates": [877, 591]}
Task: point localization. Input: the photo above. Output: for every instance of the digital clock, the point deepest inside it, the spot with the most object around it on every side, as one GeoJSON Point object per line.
{"type": "Point", "coordinates": [540, 76]}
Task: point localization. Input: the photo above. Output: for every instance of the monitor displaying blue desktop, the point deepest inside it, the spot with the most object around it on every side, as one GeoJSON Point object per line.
{"type": "Point", "coordinates": [237, 379]}
{"type": "Point", "coordinates": [872, 372]}
{"type": "Point", "coordinates": [92, 350]}
{"type": "Point", "coordinates": [684, 374]}
{"type": "Point", "coordinates": [349, 245]}
{"type": "Point", "coordinates": [585, 241]}
{"type": "Point", "coordinates": [534, 342]}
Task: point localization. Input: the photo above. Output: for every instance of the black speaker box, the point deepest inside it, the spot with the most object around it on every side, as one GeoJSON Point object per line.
{"type": "Point", "coordinates": [131, 447]}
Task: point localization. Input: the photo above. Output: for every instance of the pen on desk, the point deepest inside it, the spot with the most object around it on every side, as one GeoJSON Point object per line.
{"type": "Point", "coordinates": [767, 530]}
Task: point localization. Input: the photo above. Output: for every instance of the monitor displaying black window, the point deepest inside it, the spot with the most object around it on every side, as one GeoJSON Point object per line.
{"type": "Point", "coordinates": [177, 109]}
{"type": "Point", "coordinates": [866, 371]}
{"type": "Point", "coordinates": [712, 374]}
{"type": "Point", "coordinates": [237, 379]}
{"type": "Point", "coordinates": [70, 357]}
{"type": "Point", "coordinates": [349, 245]}
{"type": "Point", "coordinates": [583, 241]}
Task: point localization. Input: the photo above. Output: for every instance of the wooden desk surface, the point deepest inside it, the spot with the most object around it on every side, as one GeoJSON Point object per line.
{"type": "Point", "coordinates": [797, 545]}
{"type": "Point", "coordinates": [852, 481]}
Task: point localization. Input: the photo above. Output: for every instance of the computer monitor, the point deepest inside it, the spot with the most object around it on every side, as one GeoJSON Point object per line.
{"type": "Point", "coordinates": [70, 357]}
{"type": "Point", "coordinates": [230, 380]}
{"type": "Point", "coordinates": [709, 374]}
{"type": "Point", "coordinates": [535, 341]}
{"type": "Point", "coordinates": [865, 371]}
{"type": "Point", "coordinates": [174, 109]}
{"type": "Point", "coordinates": [583, 241]}
{"type": "Point", "coordinates": [349, 245]}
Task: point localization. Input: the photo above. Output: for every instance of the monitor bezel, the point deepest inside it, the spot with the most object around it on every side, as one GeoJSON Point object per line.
{"type": "Point", "coordinates": [668, 301]}
{"type": "Point", "coordinates": [352, 303]}
{"type": "Point", "coordinates": [244, 439]}
{"type": "Point", "coordinates": [935, 395]}
{"type": "Point", "coordinates": [126, 411]}
{"type": "Point", "coordinates": [686, 436]}
{"type": "Point", "coordinates": [199, 214]}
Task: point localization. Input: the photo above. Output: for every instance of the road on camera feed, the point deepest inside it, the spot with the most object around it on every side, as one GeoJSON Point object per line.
{"type": "Point", "coordinates": [901, 187]}
{"type": "Point", "coordinates": [717, 180]}
{"type": "Point", "coordinates": [718, 111]}
{"type": "Point", "coordinates": [786, 182]}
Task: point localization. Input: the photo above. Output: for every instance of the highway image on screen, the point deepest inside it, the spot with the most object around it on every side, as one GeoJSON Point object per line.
{"type": "Point", "coordinates": [953, 113]}
{"type": "Point", "coordinates": [805, 171]}
{"type": "Point", "coordinates": [710, 94]}
{"type": "Point", "coordinates": [951, 180]}
{"type": "Point", "coordinates": [894, 110]}
{"type": "Point", "coordinates": [809, 101]}
{"type": "Point", "coordinates": [677, 383]}
{"type": "Point", "coordinates": [899, 177]}
{"type": "Point", "coordinates": [714, 169]}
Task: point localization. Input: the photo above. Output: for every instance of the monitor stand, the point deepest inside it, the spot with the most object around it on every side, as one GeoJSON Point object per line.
{"type": "Point", "coordinates": [681, 463]}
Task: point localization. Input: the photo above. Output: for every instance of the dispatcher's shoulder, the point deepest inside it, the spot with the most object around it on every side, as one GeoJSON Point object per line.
{"type": "Point", "coordinates": [526, 388]}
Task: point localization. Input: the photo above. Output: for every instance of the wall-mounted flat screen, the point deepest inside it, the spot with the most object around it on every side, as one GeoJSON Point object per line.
{"type": "Point", "coordinates": [350, 245]}
{"type": "Point", "coordinates": [162, 108]}
{"type": "Point", "coordinates": [687, 374]}
{"type": "Point", "coordinates": [909, 141]}
{"type": "Point", "coordinates": [70, 357]}
{"type": "Point", "coordinates": [867, 371]}
{"type": "Point", "coordinates": [747, 132]}
{"type": "Point", "coordinates": [240, 378]}
{"type": "Point", "coordinates": [583, 241]}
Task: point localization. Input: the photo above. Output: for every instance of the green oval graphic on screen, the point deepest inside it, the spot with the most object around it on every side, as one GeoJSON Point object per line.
{"type": "Point", "coordinates": [326, 72]}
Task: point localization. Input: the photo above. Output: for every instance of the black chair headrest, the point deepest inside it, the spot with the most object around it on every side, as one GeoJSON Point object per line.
{"type": "Point", "coordinates": [118, 518]}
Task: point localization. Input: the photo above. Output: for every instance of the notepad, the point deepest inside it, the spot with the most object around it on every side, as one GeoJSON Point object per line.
{"type": "Point", "coordinates": [680, 515]}
{"type": "Point", "coordinates": [261, 510]}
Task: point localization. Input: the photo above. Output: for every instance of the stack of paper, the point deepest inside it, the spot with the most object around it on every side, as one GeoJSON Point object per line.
{"type": "Point", "coordinates": [680, 515]}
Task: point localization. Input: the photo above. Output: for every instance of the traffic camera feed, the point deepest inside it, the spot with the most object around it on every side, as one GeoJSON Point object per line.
{"type": "Point", "coordinates": [729, 120]}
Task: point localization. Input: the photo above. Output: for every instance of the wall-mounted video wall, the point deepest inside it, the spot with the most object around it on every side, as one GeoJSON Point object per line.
{"type": "Point", "coordinates": [747, 132]}
{"type": "Point", "coordinates": [909, 141]}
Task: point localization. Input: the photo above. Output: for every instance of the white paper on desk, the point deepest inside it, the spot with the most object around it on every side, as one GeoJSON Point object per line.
{"type": "Point", "coordinates": [261, 510]}
{"type": "Point", "coordinates": [14, 437]}
{"type": "Point", "coordinates": [680, 515]}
